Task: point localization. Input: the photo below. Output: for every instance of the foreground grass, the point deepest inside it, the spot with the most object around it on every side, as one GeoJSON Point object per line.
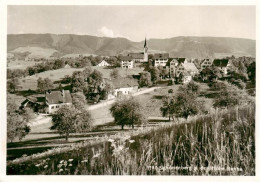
{"type": "Point", "coordinates": [221, 143]}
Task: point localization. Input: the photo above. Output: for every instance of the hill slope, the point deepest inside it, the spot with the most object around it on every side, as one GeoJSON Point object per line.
{"type": "Point", "coordinates": [196, 47]}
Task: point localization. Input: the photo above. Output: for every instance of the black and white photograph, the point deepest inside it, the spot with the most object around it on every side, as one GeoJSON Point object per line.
{"type": "Point", "coordinates": [130, 90]}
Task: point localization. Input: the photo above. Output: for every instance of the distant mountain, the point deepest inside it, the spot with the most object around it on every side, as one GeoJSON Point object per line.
{"type": "Point", "coordinates": [194, 47]}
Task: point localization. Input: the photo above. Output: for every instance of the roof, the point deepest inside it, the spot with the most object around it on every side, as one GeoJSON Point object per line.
{"type": "Point", "coordinates": [67, 66]}
{"type": "Point", "coordinates": [125, 58]}
{"type": "Point", "coordinates": [181, 60]}
{"type": "Point", "coordinates": [207, 59]}
{"type": "Point", "coordinates": [161, 56]}
{"type": "Point", "coordinates": [184, 73]}
{"type": "Point", "coordinates": [103, 61]}
{"type": "Point", "coordinates": [220, 62]}
{"type": "Point", "coordinates": [123, 82]}
{"type": "Point", "coordinates": [190, 67]}
{"type": "Point", "coordinates": [58, 97]}
{"type": "Point", "coordinates": [136, 55]}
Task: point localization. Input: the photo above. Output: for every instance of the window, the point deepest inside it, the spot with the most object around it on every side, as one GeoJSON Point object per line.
{"type": "Point", "coordinates": [57, 106]}
{"type": "Point", "coordinates": [52, 107]}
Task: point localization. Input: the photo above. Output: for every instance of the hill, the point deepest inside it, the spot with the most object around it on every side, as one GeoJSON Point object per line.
{"type": "Point", "coordinates": [195, 47]}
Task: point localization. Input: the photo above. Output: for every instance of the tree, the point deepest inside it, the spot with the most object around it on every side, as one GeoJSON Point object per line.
{"type": "Point", "coordinates": [165, 73]}
{"type": "Point", "coordinates": [44, 84]}
{"type": "Point", "coordinates": [77, 81]}
{"type": "Point", "coordinates": [127, 112]}
{"type": "Point", "coordinates": [145, 79]}
{"type": "Point", "coordinates": [191, 88]}
{"type": "Point", "coordinates": [48, 84]}
{"type": "Point", "coordinates": [114, 74]}
{"type": "Point", "coordinates": [166, 109]}
{"type": "Point", "coordinates": [79, 100]}
{"type": "Point", "coordinates": [251, 72]}
{"type": "Point", "coordinates": [12, 85]}
{"type": "Point", "coordinates": [105, 91]}
{"type": "Point", "coordinates": [230, 96]}
{"type": "Point", "coordinates": [184, 104]}
{"type": "Point", "coordinates": [67, 120]}
{"type": "Point", "coordinates": [154, 75]}
{"type": "Point", "coordinates": [95, 78]}
{"type": "Point", "coordinates": [86, 72]}
{"type": "Point", "coordinates": [40, 85]}
{"type": "Point", "coordinates": [17, 124]}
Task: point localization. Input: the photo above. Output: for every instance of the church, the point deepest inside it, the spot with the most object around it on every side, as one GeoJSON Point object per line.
{"type": "Point", "coordinates": [140, 57]}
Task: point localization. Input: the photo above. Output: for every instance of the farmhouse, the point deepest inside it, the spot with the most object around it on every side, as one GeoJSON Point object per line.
{"type": "Point", "coordinates": [57, 99]}
{"type": "Point", "coordinates": [160, 59]}
{"type": "Point", "coordinates": [36, 103]}
{"type": "Point", "coordinates": [126, 62]}
{"type": "Point", "coordinates": [223, 64]}
{"type": "Point", "coordinates": [103, 63]}
{"type": "Point", "coordinates": [123, 86]}
{"type": "Point", "coordinates": [190, 68]}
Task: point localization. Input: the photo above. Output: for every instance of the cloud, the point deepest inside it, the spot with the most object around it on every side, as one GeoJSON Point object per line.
{"type": "Point", "coordinates": [106, 32]}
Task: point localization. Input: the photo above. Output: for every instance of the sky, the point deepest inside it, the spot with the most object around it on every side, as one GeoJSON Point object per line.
{"type": "Point", "coordinates": [134, 22]}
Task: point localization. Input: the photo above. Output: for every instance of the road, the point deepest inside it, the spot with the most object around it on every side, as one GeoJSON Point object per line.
{"type": "Point", "coordinates": [109, 102]}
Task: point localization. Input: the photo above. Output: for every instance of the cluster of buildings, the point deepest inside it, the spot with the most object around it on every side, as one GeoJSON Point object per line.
{"type": "Point", "coordinates": [186, 68]}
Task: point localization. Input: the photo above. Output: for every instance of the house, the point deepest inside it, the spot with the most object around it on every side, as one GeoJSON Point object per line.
{"type": "Point", "coordinates": [126, 62]}
{"type": "Point", "coordinates": [206, 63]}
{"type": "Point", "coordinates": [36, 103]}
{"type": "Point", "coordinates": [223, 64]}
{"type": "Point", "coordinates": [160, 59]}
{"type": "Point", "coordinates": [187, 69]}
{"type": "Point", "coordinates": [186, 77]}
{"type": "Point", "coordinates": [103, 63]}
{"type": "Point", "coordinates": [191, 68]}
{"type": "Point", "coordinates": [67, 66]}
{"type": "Point", "coordinates": [57, 99]}
{"type": "Point", "coordinates": [172, 67]}
{"type": "Point", "coordinates": [123, 86]}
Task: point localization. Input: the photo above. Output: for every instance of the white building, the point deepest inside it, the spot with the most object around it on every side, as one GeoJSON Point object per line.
{"type": "Point", "coordinates": [123, 86]}
{"type": "Point", "coordinates": [126, 62]}
{"type": "Point", "coordinates": [173, 66]}
{"type": "Point", "coordinates": [103, 63]}
{"type": "Point", "coordinates": [57, 99]}
{"type": "Point", "coordinates": [160, 59]}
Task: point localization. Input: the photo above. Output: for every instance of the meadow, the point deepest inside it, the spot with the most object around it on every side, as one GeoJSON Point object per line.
{"type": "Point", "coordinates": [220, 143]}
{"type": "Point", "coordinates": [20, 64]}
{"type": "Point", "coordinates": [30, 82]}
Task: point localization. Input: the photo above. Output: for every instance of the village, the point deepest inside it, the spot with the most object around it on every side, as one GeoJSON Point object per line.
{"type": "Point", "coordinates": [156, 67]}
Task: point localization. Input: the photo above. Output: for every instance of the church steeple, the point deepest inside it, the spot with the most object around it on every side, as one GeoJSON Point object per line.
{"type": "Point", "coordinates": [145, 51]}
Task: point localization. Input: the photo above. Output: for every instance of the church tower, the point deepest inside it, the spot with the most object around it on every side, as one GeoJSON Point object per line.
{"type": "Point", "coordinates": [145, 51]}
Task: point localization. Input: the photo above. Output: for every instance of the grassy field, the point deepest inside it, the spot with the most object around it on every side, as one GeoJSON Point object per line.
{"type": "Point", "coordinates": [221, 143]}
{"type": "Point", "coordinates": [30, 82]}
{"type": "Point", "coordinates": [20, 64]}
{"type": "Point", "coordinates": [36, 52]}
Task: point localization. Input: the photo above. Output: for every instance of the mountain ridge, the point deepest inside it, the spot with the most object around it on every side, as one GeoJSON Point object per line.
{"type": "Point", "coordinates": [181, 46]}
